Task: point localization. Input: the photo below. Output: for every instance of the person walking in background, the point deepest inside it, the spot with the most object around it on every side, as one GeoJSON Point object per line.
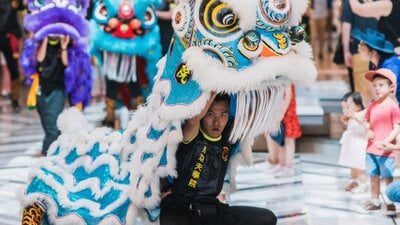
{"type": "Point", "coordinates": [164, 15]}
{"type": "Point", "coordinates": [379, 52]}
{"type": "Point", "coordinates": [281, 147]}
{"type": "Point", "coordinates": [382, 122]}
{"type": "Point", "coordinates": [52, 57]}
{"type": "Point", "coordinates": [387, 12]}
{"type": "Point", "coordinates": [319, 19]}
{"type": "Point", "coordinates": [354, 142]}
{"type": "Point", "coordinates": [356, 65]}
{"type": "Point", "coordinates": [5, 78]}
{"type": "Point", "coordinates": [10, 33]}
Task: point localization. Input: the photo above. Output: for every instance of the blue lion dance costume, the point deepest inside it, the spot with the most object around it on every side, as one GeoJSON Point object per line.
{"type": "Point", "coordinates": [249, 49]}
{"type": "Point", "coordinates": [125, 40]}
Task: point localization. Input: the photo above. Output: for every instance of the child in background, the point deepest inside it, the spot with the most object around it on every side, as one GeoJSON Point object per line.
{"type": "Point", "coordinates": [282, 149]}
{"type": "Point", "coordinates": [343, 103]}
{"type": "Point", "coordinates": [354, 142]}
{"type": "Point", "coordinates": [382, 123]}
{"type": "Point", "coordinates": [5, 89]}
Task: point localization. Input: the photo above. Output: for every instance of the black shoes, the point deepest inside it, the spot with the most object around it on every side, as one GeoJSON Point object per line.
{"type": "Point", "coordinates": [15, 106]}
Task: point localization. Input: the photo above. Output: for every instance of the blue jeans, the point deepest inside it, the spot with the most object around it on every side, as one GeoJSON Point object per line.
{"type": "Point", "coordinates": [49, 108]}
{"type": "Point", "coordinates": [393, 191]}
{"type": "Point", "coordinates": [379, 166]}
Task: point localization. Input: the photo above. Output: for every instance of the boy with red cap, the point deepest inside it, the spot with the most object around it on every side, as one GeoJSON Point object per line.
{"type": "Point", "coordinates": [382, 121]}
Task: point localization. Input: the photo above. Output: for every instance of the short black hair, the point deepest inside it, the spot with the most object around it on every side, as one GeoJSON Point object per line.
{"type": "Point", "coordinates": [221, 97]}
{"type": "Point", "coordinates": [357, 99]}
{"type": "Point", "coordinates": [346, 96]}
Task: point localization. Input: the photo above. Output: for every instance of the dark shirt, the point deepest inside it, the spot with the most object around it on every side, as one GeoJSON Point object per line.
{"type": "Point", "coordinates": [89, 10]}
{"type": "Point", "coordinates": [356, 21]}
{"type": "Point", "coordinates": [51, 70]}
{"type": "Point", "coordinates": [393, 63]}
{"type": "Point", "coordinates": [201, 167]}
{"type": "Point", "coordinates": [390, 25]}
{"type": "Point", "coordinates": [166, 30]}
{"type": "Point", "coordinates": [8, 18]}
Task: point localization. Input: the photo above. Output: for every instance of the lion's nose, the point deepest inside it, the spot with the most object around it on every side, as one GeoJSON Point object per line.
{"type": "Point", "coordinates": [125, 11]}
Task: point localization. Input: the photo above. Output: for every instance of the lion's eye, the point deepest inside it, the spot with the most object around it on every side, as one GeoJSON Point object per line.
{"type": "Point", "coordinates": [38, 3]}
{"type": "Point", "coordinates": [218, 19]}
{"type": "Point", "coordinates": [225, 17]}
{"type": "Point", "coordinates": [100, 12]}
{"type": "Point", "coordinates": [149, 17]}
{"type": "Point", "coordinates": [79, 6]}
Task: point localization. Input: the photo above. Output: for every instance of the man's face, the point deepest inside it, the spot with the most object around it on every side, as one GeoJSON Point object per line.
{"type": "Point", "coordinates": [215, 120]}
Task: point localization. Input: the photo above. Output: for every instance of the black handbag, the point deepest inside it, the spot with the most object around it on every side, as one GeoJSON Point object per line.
{"type": "Point", "coordinates": [338, 57]}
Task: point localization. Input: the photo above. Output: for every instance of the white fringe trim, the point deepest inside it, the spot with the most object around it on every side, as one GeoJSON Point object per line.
{"type": "Point", "coordinates": [255, 111]}
{"type": "Point", "coordinates": [296, 66]}
{"type": "Point", "coordinates": [299, 7]}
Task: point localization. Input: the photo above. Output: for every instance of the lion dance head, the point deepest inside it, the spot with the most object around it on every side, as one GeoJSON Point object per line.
{"type": "Point", "coordinates": [59, 18]}
{"type": "Point", "coordinates": [249, 49]}
{"type": "Point", "coordinates": [122, 33]}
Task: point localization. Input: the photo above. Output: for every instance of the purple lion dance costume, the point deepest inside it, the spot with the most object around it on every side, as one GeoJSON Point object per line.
{"type": "Point", "coordinates": [48, 17]}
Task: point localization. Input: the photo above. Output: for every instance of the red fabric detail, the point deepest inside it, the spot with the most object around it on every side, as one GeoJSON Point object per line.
{"type": "Point", "coordinates": [14, 43]}
{"type": "Point", "coordinates": [125, 95]}
{"type": "Point", "coordinates": [291, 120]}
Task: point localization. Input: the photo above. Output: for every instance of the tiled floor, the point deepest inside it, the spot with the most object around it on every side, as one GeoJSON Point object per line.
{"type": "Point", "coordinates": [314, 196]}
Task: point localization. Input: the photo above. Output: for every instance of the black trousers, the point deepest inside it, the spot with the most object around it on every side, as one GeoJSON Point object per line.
{"type": "Point", "coordinates": [12, 63]}
{"type": "Point", "coordinates": [112, 89]}
{"type": "Point", "coordinates": [209, 211]}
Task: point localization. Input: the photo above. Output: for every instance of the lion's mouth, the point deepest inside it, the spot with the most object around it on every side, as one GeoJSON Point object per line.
{"type": "Point", "coordinates": [119, 67]}
{"type": "Point", "coordinates": [256, 111]}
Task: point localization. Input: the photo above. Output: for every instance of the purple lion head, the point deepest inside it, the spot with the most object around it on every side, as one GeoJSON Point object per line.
{"type": "Point", "coordinates": [57, 17]}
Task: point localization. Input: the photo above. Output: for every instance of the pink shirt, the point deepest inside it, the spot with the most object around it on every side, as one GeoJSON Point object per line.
{"type": "Point", "coordinates": [381, 117]}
